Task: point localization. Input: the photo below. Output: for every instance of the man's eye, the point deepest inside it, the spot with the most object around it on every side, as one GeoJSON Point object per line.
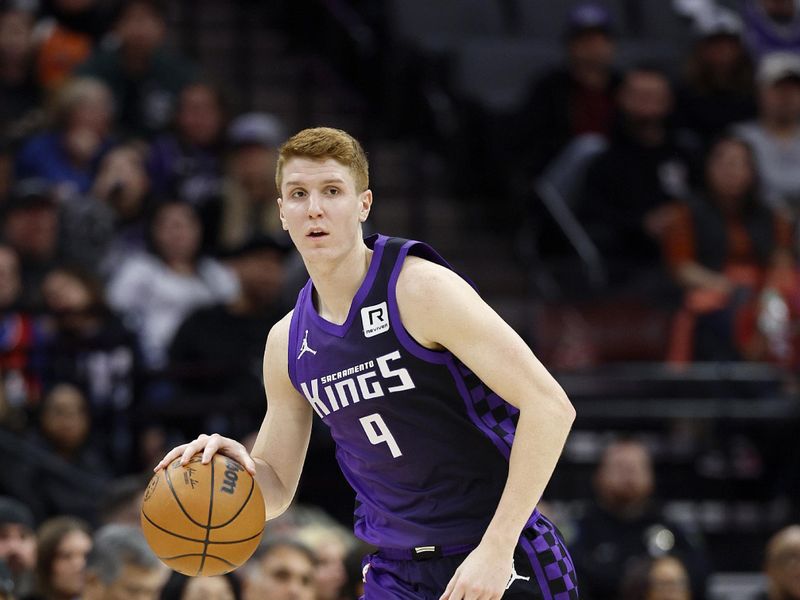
{"type": "Point", "coordinates": [298, 194]}
{"type": "Point", "coordinates": [333, 191]}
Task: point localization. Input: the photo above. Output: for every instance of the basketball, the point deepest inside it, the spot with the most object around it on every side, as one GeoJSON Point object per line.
{"type": "Point", "coordinates": [203, 519]}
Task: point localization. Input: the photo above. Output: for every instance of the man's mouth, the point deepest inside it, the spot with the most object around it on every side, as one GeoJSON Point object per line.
{"type": "Point", "coordinates": [317, 234]}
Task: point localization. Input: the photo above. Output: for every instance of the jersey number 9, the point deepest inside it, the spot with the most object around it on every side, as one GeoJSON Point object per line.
{"type": "Point", "coordinates": [377, 433]}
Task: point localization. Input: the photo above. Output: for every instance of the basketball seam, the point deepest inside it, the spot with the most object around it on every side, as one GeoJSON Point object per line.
{"type": "Point", "coordinates": [199, 541]}
{"type": "Point", "coordinates": [227, 562]}
{"type": "Point", "coordinates": [238, 512]}
{"type": "Point", "coordinates": [208, 523]}
{"type": "Point", "coordinates": [180, 505]}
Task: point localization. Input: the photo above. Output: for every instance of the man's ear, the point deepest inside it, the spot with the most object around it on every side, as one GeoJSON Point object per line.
{"type": "Point", "coordinates": [281, 215]}
{"type": "Point", "coordinates": [366, 204]}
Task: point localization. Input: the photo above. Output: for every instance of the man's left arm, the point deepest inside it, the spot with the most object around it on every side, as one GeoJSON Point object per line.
{"type": "Point", "coordinates": [440, 310]}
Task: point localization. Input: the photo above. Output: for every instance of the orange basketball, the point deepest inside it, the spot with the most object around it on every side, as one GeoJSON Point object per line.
{"type": "Point", "coordinates": [203, 519]}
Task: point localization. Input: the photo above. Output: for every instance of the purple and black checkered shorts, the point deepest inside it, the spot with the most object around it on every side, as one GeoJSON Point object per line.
{"type": "Point", "coordinates": [542, 565]}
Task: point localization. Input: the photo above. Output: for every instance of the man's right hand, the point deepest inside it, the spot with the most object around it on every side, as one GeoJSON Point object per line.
{"type": "Point", "coordinates": [209, 445]}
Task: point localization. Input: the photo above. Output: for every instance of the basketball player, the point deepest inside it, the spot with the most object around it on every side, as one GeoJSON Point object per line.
{"type": "Point", "coordinates": [447, 426]}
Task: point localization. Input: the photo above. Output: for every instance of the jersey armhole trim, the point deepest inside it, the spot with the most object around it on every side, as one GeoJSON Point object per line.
{"type": "Point", "coordinates": [292, 342]}
{"type": "Point", "coordinates": [405, 338]}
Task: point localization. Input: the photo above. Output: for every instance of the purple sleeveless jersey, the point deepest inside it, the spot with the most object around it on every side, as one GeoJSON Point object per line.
{"type": "Point", "coordinates": [422, 441]}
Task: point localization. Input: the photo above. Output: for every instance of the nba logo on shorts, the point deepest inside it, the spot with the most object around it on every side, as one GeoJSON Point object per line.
{"type": "Point", "coordinates": [375, 319]}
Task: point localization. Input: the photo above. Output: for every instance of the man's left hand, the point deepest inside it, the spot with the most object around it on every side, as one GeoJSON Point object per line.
{"type": "Point", "coordinates": [483, 575]}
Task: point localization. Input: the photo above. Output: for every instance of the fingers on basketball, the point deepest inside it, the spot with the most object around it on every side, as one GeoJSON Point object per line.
{"type": "Point", "coordinates": [203, 519]}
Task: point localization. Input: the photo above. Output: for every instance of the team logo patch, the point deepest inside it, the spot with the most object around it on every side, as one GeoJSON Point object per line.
{"type": "Point", "coordinates": [375, 319]}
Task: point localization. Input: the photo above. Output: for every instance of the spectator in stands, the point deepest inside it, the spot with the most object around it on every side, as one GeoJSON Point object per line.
{"type": "Point", "coordinates": [144, 76]}
{"type": "Point", "coordinates": [30, 225]}
{"type": "Point", "coordinates": [64, 543]}
{"type": "Point", "coordinates": [187, 163]}
{"type": "Point", "coordinates": [100, 229]}
{"type": "Point", "coordinates": [19, 94]}
{"type": "Point", "coordinates": [574, 99]}
{"type": "Point", "coordinates": [93, 349]}
{"type": "Point", "coordinates": [625, 523]}
{"type": "Point", "coordinates": [224, 379]}
{"type": "Point", "coordinates": [64, 426]}
{"type": "Point", "coordinates": [93, 18]}
{"type": "Point", "coordinates": [63, 446]}
{"type": "Point", "coordinates": [21, 347]}
{"type": "Point", "coordinates": [67, 33]}
{"type": "Point", "coordinates": [249, 192]}
{"type": "Point", "coordinates": [771, 25]}
{"type": "Point", "coordinates": [155, 291]}
{"type": "Point", "coordinates": [67, 155]}
{"type": "Point", "coordinates": [330, 544]}
{"type": "Point", "coordinates": [121, 566]}
{"type": "Point", "coordinates": [221, 587]}
{"type": "Point", "coordinates": [280, 569]}
{"type": "Point", "coordinates": [722, 247]}
{"type": "Point", "coordinates": [775, 135]}
{"type": "Point", "coordinates": [18, 543]}
{"type": "Point", "coordinates": [718, 84]}
{"type": "Point", "coordinates": [122, 501]}
{"type": "Point", "coordinates": [662, 578]}
{"type": "Point", "coordinates": [782, 565]}
{"type": "Point", "coordinates": [628, 187]}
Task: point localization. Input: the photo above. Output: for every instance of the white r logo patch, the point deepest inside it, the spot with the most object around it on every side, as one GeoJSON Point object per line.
{"type": "Point", "coordinates": [375, 319]}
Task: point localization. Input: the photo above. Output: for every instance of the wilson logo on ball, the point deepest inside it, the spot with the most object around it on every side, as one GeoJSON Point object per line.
{"type": "Point", "coordinates": [231, 477]}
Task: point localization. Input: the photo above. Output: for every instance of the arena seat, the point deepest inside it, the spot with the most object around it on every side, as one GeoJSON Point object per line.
{"type": "Point", "coordinates": [495, 73]}
{"type": "Point", "coordinates": [437, 26]}
{"type": "Point", "coordinates": [545, 19]}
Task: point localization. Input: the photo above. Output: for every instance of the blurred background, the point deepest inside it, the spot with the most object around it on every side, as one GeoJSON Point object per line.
{"type": "Point", "coordinates": [621, 179]}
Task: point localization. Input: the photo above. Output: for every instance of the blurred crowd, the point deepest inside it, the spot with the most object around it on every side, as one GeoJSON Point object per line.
{"type": "Point", "coordinates": [142, 263]}
{"type": "Point", "coordinates": [625, 547]}
{"type": "Point", "coordinates": [304, 557]}
{"type": "Point", "coordinates": [681, 179]}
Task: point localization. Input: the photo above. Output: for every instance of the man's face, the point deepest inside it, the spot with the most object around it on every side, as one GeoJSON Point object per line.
{"type": "Point", "coordinates": [284, 574]}
{"type": "Point", "coordinates": [261, 275]}
{"type": "Point", "coordinates": [16, 31]}
{"type": "Point", "coordinates": [199, 115]}
{"type": "Point", "coordinates": [33, 231]}
{"type": "Point", "coordinates": [133, 583]}
{"type": "Point", "coordinates": [17, 547]}
{"type": "Point", "coordinates": [625, 476]}
{"type": "Point", "coordinates": [645, 97]}
{"type": "Point", "coordinates": [780, 102]}
{"type": "Point", "coordinates": [591, 55]}
{"type": "Point", "coordinates": [140, 29]}
{"type": "Point", "coordinates": [252, 167]}
{"type": "Point", "coordinates": [321, 208]}
{"type": "Point", "coordinates": [781, 11]}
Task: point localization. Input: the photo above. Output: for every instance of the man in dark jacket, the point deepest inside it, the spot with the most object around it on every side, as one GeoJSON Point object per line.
{"type": "Point", "coordinates": [628, 187]}
{"type": "Point", "coordinates": [625, 524]}
{"type": "Point", "coordinates": [573, 99]}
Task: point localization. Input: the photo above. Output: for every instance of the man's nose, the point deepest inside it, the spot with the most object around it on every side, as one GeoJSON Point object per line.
{"type": "Point", "coordinates": [314, 205]}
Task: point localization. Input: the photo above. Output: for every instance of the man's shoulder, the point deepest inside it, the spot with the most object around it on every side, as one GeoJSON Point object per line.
{"type": "Point", "coordinates": [279, 332]}
{"type": "Point", "coordinates": [420, 276]}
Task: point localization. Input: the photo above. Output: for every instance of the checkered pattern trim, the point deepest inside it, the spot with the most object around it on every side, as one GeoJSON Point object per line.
{"type": "Point", "coordinates": [555, 561]}
{"type": "Point", "coordinates": [494, 413]}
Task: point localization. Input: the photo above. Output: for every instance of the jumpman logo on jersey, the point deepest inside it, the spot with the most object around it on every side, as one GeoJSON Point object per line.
{"type": "Point", "coordinates": [515, 575]}
{"type": "Point", "coordinates": [304, 347]}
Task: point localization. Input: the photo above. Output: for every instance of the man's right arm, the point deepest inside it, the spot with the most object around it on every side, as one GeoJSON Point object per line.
{"type": "Point", "coordinates": [280, 448]}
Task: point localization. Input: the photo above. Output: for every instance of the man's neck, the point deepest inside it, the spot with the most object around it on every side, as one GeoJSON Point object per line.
{"type": "Point", "coordinates": [336, 283]}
